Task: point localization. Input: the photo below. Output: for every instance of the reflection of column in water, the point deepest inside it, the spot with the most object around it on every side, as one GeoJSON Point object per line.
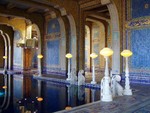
{"type": "Point", "coordinates": [72, 94]}
{"type": "Point", "coordinates": [81, 95]}
{"type": "Point", "coordinates": [9, 91]}
{"type": "Point", "coordinates": [5, 96]}
{"type": "Point", "coordinates": [68, 91]}
{"type": "Point", "coordinates": [39, 88]}
{"type": "Point", "coordinates": [93, 95]}
{"type": "Point", "coordinates": [39, 94]}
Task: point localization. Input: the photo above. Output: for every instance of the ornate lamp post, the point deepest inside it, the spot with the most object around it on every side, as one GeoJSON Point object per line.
{"type": "Point", "coordinates": [39, 65]}
{"type": "Point", "coordinates": [106, 94]}
{"type": "Point", "coordinates": [69, 56]}
{"type": "Point", "coordinates": [93, 56]}
{"type": "Point", "coordinates": [127, 90]}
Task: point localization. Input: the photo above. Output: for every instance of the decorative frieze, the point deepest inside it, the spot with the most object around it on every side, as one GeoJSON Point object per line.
{"type": "Point", "coordinates": [53, 36]}
{"type": "Point", "coordinates": [142, 22]}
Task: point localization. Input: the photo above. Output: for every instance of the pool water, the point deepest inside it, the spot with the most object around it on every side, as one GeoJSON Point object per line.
{"type": "Point", "coordinates": [20, 93]}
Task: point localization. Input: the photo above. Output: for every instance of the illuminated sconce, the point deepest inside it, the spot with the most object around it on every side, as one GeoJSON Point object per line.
{"type": "Point", "coordinates": [93, 56]}
{"type": "Point", "coordinates": [69, 56]}
{"type": "Point", "coordinates": [126, 54]}
{"type": "Point", "coordinates": [40, 56]}
{"type": "Point", "coordinates": [106, 94]}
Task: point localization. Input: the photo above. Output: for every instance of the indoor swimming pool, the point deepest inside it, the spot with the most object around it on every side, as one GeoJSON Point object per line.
{"type": "Point", "coordinates": [22, 93]}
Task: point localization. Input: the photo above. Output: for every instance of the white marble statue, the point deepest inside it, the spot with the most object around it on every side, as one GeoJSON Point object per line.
{"type": "Point", "coordinates": [117, 89]}
{"type": "Point", "coordinates": [81, 78]}
{"type": "Point", "coordinates": [73, 78]}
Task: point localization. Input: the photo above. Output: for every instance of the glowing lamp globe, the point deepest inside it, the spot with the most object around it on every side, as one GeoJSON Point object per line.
{"type": "Point", "coordinates": [4, 57]}
{"type": "Point", "coordinates": [39, 99]}
{"type": "Point", "coordinates": [93, 55]}
{"type": "Point", "coordinates": [4, 87]}
{"type": "Point", "coordinates": [40, 56]}
{"type": "Point", "coordinates": [106, 52]}
{"type": "Point", "coordinates": [69, 55]}
{"type": "Point", "coordinates": [126, 53]}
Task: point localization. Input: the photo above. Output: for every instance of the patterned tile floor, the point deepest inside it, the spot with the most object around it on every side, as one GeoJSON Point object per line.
{"type": "Point", "coordinates": [139, 102]}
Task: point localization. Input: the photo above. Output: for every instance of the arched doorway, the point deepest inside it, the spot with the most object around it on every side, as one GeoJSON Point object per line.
{"type": "Point", "coordinates": [106, 13]}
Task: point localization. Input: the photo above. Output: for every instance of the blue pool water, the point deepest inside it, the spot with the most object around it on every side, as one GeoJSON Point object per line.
{"type": "Point", "coordinates": [22, 92]}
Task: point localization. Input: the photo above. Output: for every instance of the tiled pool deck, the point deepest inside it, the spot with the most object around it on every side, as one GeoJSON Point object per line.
{"type": "Point", "coordinates": [139, 102]}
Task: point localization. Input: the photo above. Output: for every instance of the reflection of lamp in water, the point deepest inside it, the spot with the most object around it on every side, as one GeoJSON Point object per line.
{"type": "Point", "coordinates": [68, 108]}
{"type": "Point", "coordinates": [69, 56]}
{"type": "Point", "coordinates": [93, 56]}
{"type": "Point", "coordinates": [127, 90]}
{"type": "Point", "coordinates": [39, 99]}
{"type": "Point", "coordinates": [105, 82]}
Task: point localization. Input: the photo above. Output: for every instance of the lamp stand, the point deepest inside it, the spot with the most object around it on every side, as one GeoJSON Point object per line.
{"type": "Point", "coordinates": [127, 90]}
{"type": "Point", "coordinates": [105, 85]}
{"type": "Point", "coordinates": [93, 73]}
{"type": "Point", "coordinates": [69, 77]}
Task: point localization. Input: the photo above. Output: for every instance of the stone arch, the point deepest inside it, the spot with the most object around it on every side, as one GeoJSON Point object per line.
{"type": "Point", "coordinates": [87, 47]}
{"type": "Point", "coordinates": [15, 28]}
{"type": "Point", "coordinates": [63, 44]}
{"type": "Point", "coordinates": [9, 51]}
{"type": "Point", "coordinates": [5, 52]}
{"type": "Point", "coordinates": [115, 37]}
{"type": "Point", "coordinates": [73, 41]}
{"type": "Point", "coordinates": [39, 47]}
{"type": "Point", "coordinates": [101, 41]}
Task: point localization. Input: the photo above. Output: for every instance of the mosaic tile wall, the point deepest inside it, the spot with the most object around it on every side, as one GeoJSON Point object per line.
{"type": "Point", "coordinates": [52, 47]}
{"type": "Point", "coordinates": [137, 37]}
{"type": "Point", "coordinates": [140, 8]}
{"type": "Point", "coordinates": [140, 40]}
{"type": "Point", "coordinates": [52, 52]}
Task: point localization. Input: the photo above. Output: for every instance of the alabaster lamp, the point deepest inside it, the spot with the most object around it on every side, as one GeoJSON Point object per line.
{"type": "Point", "coordinates": [4, 57]}
{"type": "Point", "coordinates": [39, 64]}
{"type": "Point", "coordinates": [69, 56]}
{"type": "Point", "coordinates": [126, 54]}
{"type": "Point", "coordinates": [40, 56]}
{"type": "Point", "coordinates": [106, 94]}
{"type": "Point", "coordinates": [93, 56]}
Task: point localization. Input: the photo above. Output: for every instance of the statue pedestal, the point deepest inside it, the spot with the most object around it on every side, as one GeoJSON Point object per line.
{"type": "Point", "coordinates": [127, 92]}
{"type": "Point", "coordinates": [93, 82]}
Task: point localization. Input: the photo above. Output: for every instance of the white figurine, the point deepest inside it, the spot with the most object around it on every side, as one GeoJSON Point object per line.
{"type": "Point", "coordinates": [73, 79]}
{"type": "Point", "coordinates": [117, 89]}
{"type": "Point", "coordinates": [81, 78]}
